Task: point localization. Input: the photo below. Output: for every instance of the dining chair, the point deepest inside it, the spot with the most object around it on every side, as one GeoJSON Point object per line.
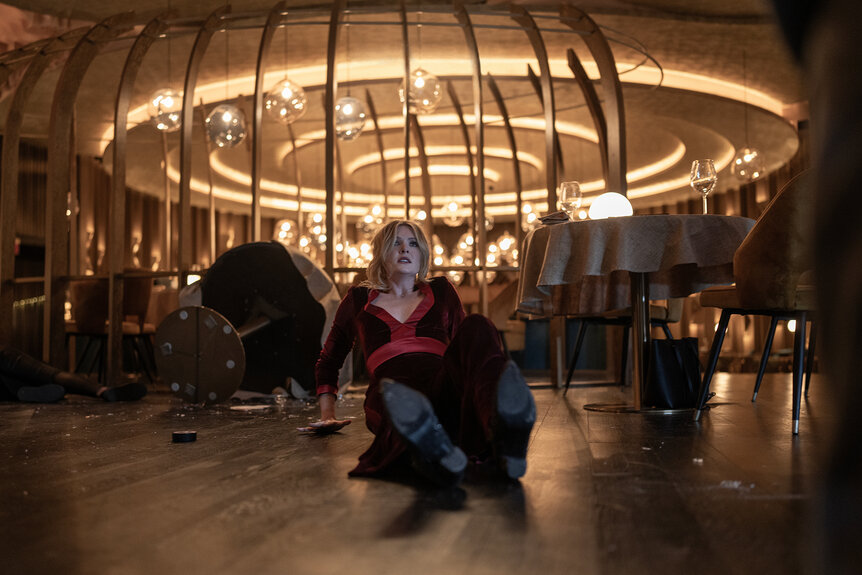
{"type": "Point", "coordinates": [89, 306]}
{"type": "Point", "coordinates": [660, 316]}
{"type": "Point", "coordinates": [770, 268]}
{"type": "Point", "coordinates": [501, 312]}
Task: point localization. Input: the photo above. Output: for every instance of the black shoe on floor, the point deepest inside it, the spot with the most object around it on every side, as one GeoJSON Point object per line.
{"type": "Point", "coordinates": [412, 415]}
{"type": "Point", "coordinates": [516, 414]}
{"type": "Point", "coordinates": [48, 393]}
{"type": "Point", "coordinates": [128, 392]}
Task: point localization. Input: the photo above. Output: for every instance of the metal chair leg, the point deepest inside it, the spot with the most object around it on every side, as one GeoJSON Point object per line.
{"type": "Point", "coordinates": [809, 360]}
{"type": "Point", "coordinates": [582, 330]}
{"type": "Point", "coordinates": [624, 360]}
{"type": "Point", "coordinates": [798, 356]}
{"type": "Point", "coordinates": [717, 340]}
{"type": "Point", "coordinates": [764, 359]}
{"type": "Point", "coordinates": [666, 329]}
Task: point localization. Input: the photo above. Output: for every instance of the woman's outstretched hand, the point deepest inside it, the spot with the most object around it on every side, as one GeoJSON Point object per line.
{"type": "Point", "coordinates": [324, 426]}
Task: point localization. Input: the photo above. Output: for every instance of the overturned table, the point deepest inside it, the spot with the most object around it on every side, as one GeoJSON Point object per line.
{"type": "Point", "coordinates": [600, 265]}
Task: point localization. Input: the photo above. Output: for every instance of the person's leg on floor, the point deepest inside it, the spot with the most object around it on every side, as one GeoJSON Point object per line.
{"type": "Point", "coordinates": [27, 379]}
{"type": "Point", "coordinates": [495, 407]}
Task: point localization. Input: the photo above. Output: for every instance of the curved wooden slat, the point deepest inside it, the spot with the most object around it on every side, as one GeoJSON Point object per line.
{"type": "Point", "coordinates": [479, 125]}
{"type": "Point", "coordinates": [468, 151]}
{"type": "Point", "coordinates": [537, 87]}
{"type": "Point", "coordinates": [9, 176]}
{"type": "Point", "coordinates": [405, 108]}
{"type": "Point", "coordinates": [372, 111]}
{"type": "Point", "coordinates": [516, 164]}
{"type": "Point", "coordinates": [117, 205]}
{"type": "Point", "coordinates": [329, 106]}
{"type": "Point", "coordinates": [520, 15]}
{"type": "Point", "coordinates": [60, 154]}
{"type": "Point", "coordinates": [426, 177]}
{"type": "Point", "coordinates": [612, 93]}
{"type": "Point", "coordinates": [594, 106]}
{"type": "Point", "coordinates": [202, 40]}
{"type": "Point", "coordinates": [298, 172]}
{"type": "Point", "coordinates": [272, 22]}
{"type": "Point", "coordinates": [211, 212]}
{"type": "Point", "coordinates": [167, 233]}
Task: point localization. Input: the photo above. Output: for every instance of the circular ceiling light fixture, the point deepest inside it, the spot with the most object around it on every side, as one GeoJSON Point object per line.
{"type": "Point", "coordinates": [165, 109]}
{"type": "Point", "coordinates": [226, 126]}
{"type": "Point", "coordinates": [286, 101]}
{"type": "Point", "coordinates": [424, 94]}
{"type": "Point", "coordinates": [349, 118]}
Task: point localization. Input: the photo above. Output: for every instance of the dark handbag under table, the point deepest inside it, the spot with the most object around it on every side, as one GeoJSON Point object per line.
{"type": "Point", "coordinates": [674, 374]}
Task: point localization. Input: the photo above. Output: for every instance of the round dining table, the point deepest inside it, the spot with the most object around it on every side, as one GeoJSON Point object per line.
{"type": "Point", "coordinates": [593, 266]}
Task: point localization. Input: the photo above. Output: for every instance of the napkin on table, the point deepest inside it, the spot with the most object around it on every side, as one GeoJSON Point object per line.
{"type": "Point", "coordinates": [554, 218]}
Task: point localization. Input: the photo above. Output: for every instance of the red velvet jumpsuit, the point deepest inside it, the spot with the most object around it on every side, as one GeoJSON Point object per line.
{"type": "Point", "coordinates": [455, 361]}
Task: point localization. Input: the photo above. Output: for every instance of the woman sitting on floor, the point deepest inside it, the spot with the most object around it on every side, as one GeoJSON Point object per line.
{"type": "Point", "coordinates": [441, 388]}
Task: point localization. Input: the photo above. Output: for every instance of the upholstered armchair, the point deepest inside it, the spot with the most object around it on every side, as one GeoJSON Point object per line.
{"type": "Point", "coordinates": [770, 268]}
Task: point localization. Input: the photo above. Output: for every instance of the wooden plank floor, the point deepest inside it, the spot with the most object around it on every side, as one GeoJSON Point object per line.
{"type": "Point", "coordinates": [92, 487]}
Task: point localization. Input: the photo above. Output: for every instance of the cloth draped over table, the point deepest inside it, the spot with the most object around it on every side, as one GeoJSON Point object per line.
{"type": "Point", "coordinates": [584, 267]}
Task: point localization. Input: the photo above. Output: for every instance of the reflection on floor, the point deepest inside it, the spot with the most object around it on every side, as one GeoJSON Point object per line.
{"type": "Point", "coordinates": [91, 487]}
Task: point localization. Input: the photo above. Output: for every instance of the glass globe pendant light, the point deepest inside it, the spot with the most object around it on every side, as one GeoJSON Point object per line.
{"type": "Point", "coordinates": [165, 109]}
{"type": "Point", "coordinates": [226, 125]}
{"type": "Point", "coordinates": [349, 118]}
{"type": "Point", "coordinates": [285, 102]}
{"type": "Point", "coordinates": [349, 112]}
{"type": "Point", "coordinates": [451, 217]}
{"type": "Point", "coordinates": [424, 94]}
{"type": "Point", "coordinates": [748, 164]}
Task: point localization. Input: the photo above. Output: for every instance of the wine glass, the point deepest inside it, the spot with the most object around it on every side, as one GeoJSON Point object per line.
{"type": "Point", "coordinates": [570, 198]}
{"type": "Point", "coordinates": [703, 178]}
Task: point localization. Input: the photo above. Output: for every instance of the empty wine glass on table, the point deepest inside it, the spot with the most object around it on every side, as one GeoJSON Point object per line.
{"type": "Point", "coordinates": [570, 198]}
{"type": "Point", "coordinates": [703, 178]}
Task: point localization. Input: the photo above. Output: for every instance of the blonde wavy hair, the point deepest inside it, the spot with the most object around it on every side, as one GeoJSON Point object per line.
{"type": "Point", "coordinates": [383, 244]}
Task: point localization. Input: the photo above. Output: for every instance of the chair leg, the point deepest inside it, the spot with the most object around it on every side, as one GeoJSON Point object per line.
{"type": "Point", "coordinates": [83, 363]}
{"type": "Point", "coordinates": [502, 340]}
{"type": "Point", "coordinates": [624, 360]}
{"type": "Point", "coordinates": [798, 356]}
{"type": "Point", "coordinates": [717, 340]}
{"type": "Point", "coordinates": [809, 361]}
{"type": "Point", "coordinates": [764, 359]}
{"type": "Point", "coordinates": [666, 330]}
{"type": "Point", "coordinates": [577, 351]}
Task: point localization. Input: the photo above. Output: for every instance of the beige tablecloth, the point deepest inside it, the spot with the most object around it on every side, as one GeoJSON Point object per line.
{"type": "Point", "coordinates": [583, 267]}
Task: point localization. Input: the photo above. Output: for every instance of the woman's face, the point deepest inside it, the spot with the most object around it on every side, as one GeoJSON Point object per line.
{"type": "Point", "coordinates": [404, 257]}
